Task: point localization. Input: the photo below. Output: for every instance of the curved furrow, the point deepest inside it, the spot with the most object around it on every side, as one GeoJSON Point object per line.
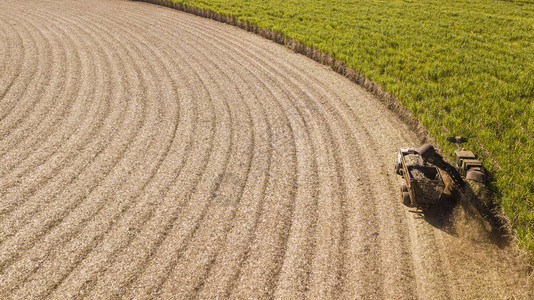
{"type": "Point", "coordinates": [325, 166]}
{"type": "Point", "coordinates": [211, 234]}
{"type": "Point", "coordinates": [50, 272]}
{"type": "Point", "coordinates": [230, 192]}
{"type": "Point", "coordinates": [301, 132]}
{"type": "Point", "coordinates": [47, 139]}
{"type": "Point", "coordinates": [234, 249]}
{"type": "Point", "coordinates": [25, 243]}
{"type": "Point", "coordinates": [154, 234]}
{"type": "Point", "coordinates": [304, 196]}
{"type": "Point", "coordinates": [386, 210]}
{"type": "Point", "coordinates": [132, 189]}
{"type": "Point", "coordinates": [14, 65]}
{"type": "Point", "coordinates": [44, 166]}
{"type": "Point", "coordinates": [237, 257]}
{"type": "Point", "coordinates": [80, 208]}
{"type": "Point", "coordinates": [218, 141]}
{"type": "Point", "coordinates": [134, 250]}
{"type": "Point", "coordinates": [403, 277]}
{"type": "Point", "coordinates": [328, 227]}
{"type": "Point", "coordinates": [143, 212]}
{"type": "Point", "coordinates": [350, 151]}
{"type": "Point", "coordinates": [109, 228]}
{"type": "Point", "coordinates": [34, 49]}
{"type": "Point", "coordinates": [11, 59]}
{"type": "Point", "coordinates": [366, 237]}
{"type": "Point", "coordinates": [201, 201]}
{"type": "Point", "coordinates": [31, 110]}
{"type": "Point", "coordinates": [62, 85]}
{"type": "Point", "coordinates": [70, 161]}
{"type": "Point", "coordinates": [5, 53]}
{"type": "Point", "coordinates": [298, 196]}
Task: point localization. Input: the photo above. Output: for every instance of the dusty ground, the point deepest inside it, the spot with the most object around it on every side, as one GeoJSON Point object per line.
{"type": "Point", "coordinates": [146, 152]}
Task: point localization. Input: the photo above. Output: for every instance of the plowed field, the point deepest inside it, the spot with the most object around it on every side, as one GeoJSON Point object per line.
{"type": "Point", "coordinates": [146, 152]}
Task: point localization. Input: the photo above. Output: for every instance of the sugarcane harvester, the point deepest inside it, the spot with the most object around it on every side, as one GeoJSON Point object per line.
{"type": "Point", "coordinates": [422, 170]}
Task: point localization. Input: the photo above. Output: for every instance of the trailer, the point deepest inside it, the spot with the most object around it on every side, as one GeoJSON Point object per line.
{"type": "Point", "coordinates": [424, 184]}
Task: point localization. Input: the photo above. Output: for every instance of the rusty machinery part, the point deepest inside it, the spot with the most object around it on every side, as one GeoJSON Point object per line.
{"type": "Point", "coordinates": [477, 175]}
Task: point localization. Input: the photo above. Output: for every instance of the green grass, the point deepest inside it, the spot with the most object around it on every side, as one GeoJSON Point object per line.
{"type": "Point", "coordinates": [462, 67]}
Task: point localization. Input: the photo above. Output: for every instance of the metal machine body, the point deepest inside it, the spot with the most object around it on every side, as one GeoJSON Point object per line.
{"type": "Point", "coordinates": [423, 182]}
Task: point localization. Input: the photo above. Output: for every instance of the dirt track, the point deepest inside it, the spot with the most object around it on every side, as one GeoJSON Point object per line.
{"type": "Point", "coordinates": [146, 152]}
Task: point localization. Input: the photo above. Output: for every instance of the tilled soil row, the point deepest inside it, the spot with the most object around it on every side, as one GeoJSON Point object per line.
{"type": "Point", "coordinates": [145, 152]}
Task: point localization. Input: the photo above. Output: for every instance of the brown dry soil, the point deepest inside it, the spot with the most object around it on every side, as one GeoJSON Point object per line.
{"type": "Point", "coordinates": [146, 152]}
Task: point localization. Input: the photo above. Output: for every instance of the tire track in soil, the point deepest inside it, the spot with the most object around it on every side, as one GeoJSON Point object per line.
{"type": "Point", "coordinates": [206, 162]}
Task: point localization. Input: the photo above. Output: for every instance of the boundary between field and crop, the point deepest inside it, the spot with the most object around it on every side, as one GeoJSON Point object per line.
{"type": "Point", "coordinates": [494, 210]}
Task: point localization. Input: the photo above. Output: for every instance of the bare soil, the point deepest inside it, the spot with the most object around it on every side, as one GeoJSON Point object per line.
{"type": "Point", "coordinates": [145, 152]}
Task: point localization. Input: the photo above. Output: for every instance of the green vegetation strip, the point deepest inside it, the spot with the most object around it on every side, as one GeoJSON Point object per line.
{"type": "Point", "coordinates": [462, 67]}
